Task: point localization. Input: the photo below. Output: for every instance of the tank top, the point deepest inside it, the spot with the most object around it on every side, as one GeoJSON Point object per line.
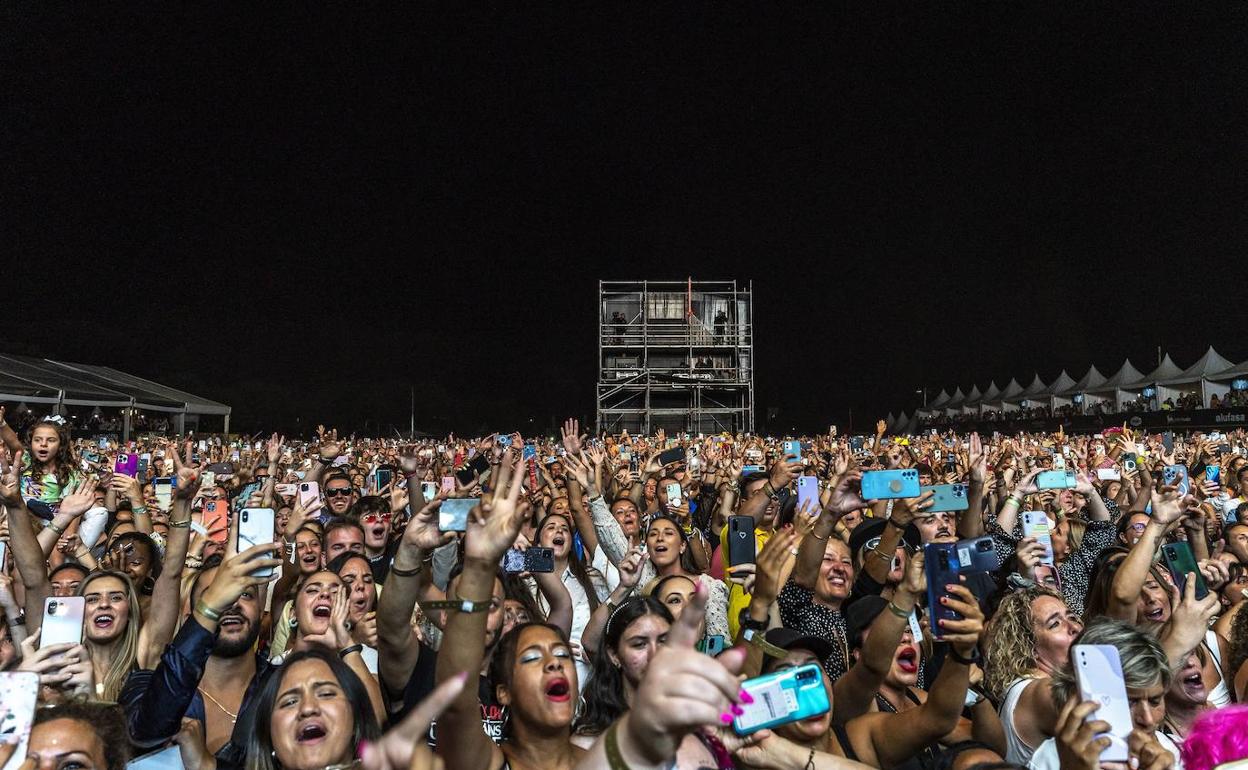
{"type": "Point", "coordinates": [1016, 749]}
{"type": "Point", "coordinates": [1220, 695]}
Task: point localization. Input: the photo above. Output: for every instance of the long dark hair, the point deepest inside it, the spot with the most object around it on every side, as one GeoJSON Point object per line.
{"type": "Point", "coordinates": [579, 570]}
{"type": "Point", "coordinates": [503, 659]}
{"type": "Point", "coordinates": [604, 693]}
{"type": "Point", "coordinates": [260, 754]}
{"type": "Point", "coordinates": [63, 461]}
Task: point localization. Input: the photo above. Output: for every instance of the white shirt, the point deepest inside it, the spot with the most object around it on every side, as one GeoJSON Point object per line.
{"type": "Point", "coordinates": [1046, 758]}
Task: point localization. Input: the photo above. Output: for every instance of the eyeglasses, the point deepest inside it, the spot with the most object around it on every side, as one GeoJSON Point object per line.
{"type": "Point", "coordinates": [373, 518]}
{"type": "Point", "coordinates": [342, 492]}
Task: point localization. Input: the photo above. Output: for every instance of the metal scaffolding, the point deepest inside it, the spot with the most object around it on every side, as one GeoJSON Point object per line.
{"type": "Point", "coordinates": [676, 355]}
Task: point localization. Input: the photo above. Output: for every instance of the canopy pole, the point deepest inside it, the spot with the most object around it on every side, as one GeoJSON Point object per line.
{"type": "Point", "coordinates": [125, 421]}
{"type": "Point", "coordinates": [226, 431]}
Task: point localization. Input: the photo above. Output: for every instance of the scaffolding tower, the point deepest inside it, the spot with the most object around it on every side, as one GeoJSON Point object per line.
{"type": "Point", "coordinates": [676, 355]}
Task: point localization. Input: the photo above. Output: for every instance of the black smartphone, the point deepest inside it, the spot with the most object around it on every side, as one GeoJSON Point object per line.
{"type": "Point", "coordinates": [1180, 561]}
{"type": "Point", "coordinates": [1167, 441]}
{"type": "Point", "coordinates": [940, 562]}
{"type": "Point", "coordinates": [977, 555]}
{"type": "Point", "coordinates": [480, 464]}
{"type": "Point", "coordinates": [741, 543]}
{"type": "Point", "coordinates": [537, 559]}
{"type": "Point", "coordinates": [673, 455]}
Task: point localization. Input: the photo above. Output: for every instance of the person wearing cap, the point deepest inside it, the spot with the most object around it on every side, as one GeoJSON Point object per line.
{"type": "Point", "coordinates": [881, 739]}
{"type": "Point", "coordinates": [864, 544]}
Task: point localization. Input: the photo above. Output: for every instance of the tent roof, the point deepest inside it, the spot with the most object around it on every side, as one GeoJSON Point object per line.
{"type": "Point", "coordinates": [1034, 389]}
{"type": "Point", "coordinates": [44, 381]}
{"type": "Point", "coordinates": [1231, 373]}
{"type": "Point", "coordinates": [1090, 381]}
{"type": "Point", "coordinates": [974, 397]}
{"type": "Point", "coordinates": [992, 393]}
{"type": "Point", "coordinates": [1209, 363]}
{"type": "Point", "coordinates": [1011, 391]}
{"type": "Point", "coordinates": [1126, 376]}
{"type": "Point", "coordinates": [940, 401]}
{"type": "Point", "coordinates": [956, 401]}
{"type": "Point", "coordinates": [1166, 370]}
{"type": "Point", "coordinates": [1062, 382]}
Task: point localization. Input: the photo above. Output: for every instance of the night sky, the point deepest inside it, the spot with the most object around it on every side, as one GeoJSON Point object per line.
{"type": "Point", "coordinates": [302, 213]}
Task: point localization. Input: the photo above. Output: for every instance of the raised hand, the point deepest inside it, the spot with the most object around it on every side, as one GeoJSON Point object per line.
{"type": "Point", "coordinates": [1078, 747]}
{"type": "Point", "coordinates": [630, 567]}
{"type": "Point", "coordinates": [1167, 505]}
{"type": "Point", "coordinates": [571, 435]}
{"type": "Point", "coordinates": [962, 634]}
{"type": "Point", "coordinates": [494, 524]}
{"type": "Point", "coordinates": [403, 747]}
{"type": "Point", "coordinates": [773, 564]}
{"type": "Point", "coordinates": [80, 498]}
{"type": "Point", "coordinates": [846, 495]}
{"type": "Point", "coordinates": [273, 447]}
{"type": "Point", "coordinates": [422, 531]}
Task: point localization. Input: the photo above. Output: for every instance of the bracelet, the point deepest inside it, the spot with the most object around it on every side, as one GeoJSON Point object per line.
{"type": "Point", "coordinates": [413, 572]}
{"type": "Point", "coordinates": [458, 605]}
{"type": "Point", "coordinates": [953, 653]}
{"type": "Point", "coordinates": [810, 761]}
{"type": "Point", "coordinates": [770, 491]}
{"type": "Point", "coordinates": [184, 524]}
{"type": "Point", "coordinates": [881, 555]}
{"type": "Point", "coordinates": [756, 638]}
{"type": "Point", "coordinates": [58, 529]}
{"type": "Point", "coordinates": [203, 609]}
{"type": "Point", "coordinates": [1013, 499]}
{"type": "Point", "coordinates": [345, 651]}
{"type": "Point", "coordinates": [139, 510]}
{"type": "Point", "coordinates": [899, 612]}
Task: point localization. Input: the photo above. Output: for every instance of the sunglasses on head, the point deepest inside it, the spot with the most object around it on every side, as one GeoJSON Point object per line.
{"type": "Point", "coordinates": [345, 491]}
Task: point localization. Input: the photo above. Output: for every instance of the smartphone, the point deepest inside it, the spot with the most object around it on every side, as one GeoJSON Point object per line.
{"type": "Point", "coordinates": [255, 527]}
{"type": "Point", "coordinates": [711, 645]}
{"type": "Point", "coordinates": [1213, 473]}
{"type": "Point", "coordinates": [4, 551]}
{"type": "Point", "coordinates": [164, 492]}
{"type": "Point", "coordinates": [792, 451]}
{"type": "Point", "coordinates": [127, 464]}
{"type": "Point", "coordinates": [746, 469]}
{"type": "Point", "coordinates": [502, 440]}
{"type": "Point", "coordinates": [808, 491]}
{"type": "Point", "coordinates": [513, 561]}
{"type": "Point", "coordinates": [448, 484]}
{"type": "Point", "coordinates": [286, 490]}
{"type": "Point", "coordinates": [538, 559]}
{"type": "Point", "coordinates": [1063, 479]}
{"type": "Point", "coordinates": [1036, 524]}
{"type": "Point", "coordinates": [382, 477]}
{"type": "Point", "coordinates": [217, 516]}
{"type": "Point", "coordinates": [1179, 561]}
{"type": "Point", "coordinates": [855, 443]}
{"type": "Point", "coordinates": [1177, 475]}
{"type": "Point", "coordinates": [782, 697]}
{"type": "Point", "coordinates": [528, 453]}
{"type": "Point", "coordinates": [741, 543]}
{"type": "Point", "coordinates": [1130, 461]}
{"type": "Point", "coordinates": [941, 563]}
{"type": "Point", "coordinates": [890, 485]}
{"type": "Point", "coordinates": [309, 493]}
{"type": "Point", "coordinates": [1098, 670]}
{"type": "Point", "coordinates": [428, 490]}
{"type": "Point", "coordinates": [673, 495]}
{"type": "Point", "coordinates": [669, 456]}
{"type": "Point", "coordinates": [947, 497]}
{"type": "Point", "coordinates": [1109, 474]}
{"type": "Point", "coordinates": [453, 514]}
{"type": "Point", "coordinates": [19, 692]}
{"type": "Point", "coordinates": [625, 454]}
{"type": "Point", "coordinates": [977, 555]}
{"type": "Point", "coordinates": [169, 758]}
{"type": "Point", "coordinates": [1167, 441]}
{"type": "Point", "coordinates": [209, 479]}
{"type": "Point", "coordinates": [1048, 577]}
{"type": "Point", "coordinates": [62, 620]}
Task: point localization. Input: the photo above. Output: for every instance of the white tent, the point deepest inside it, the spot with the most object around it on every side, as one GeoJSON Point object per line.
{"type": "Point", "coordinates": [44, 381]}
{"type": "Point", "coordinates": [1008, 400]}
{"type": "Point", "coordinates": [1124, 385]}
{"type": "Point", "coordinates": [971, 404]}
{"type": "Point", "coordinates": [1196, 378]}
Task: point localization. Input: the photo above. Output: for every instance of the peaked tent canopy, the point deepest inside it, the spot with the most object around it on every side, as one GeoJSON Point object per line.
{"type": "Point", "coordinates": [992, 394]}
{"type": "Point", "coordinates": [973, 398]}
{"type": "Point", "coordinates": [958, 398]}
{"type": "Point", "coordinates": [1011, 391]}
{"type": "Point", "coordinates": [1166, 370]}
{"type": "Point", "coordinates": [940, 401]}
{"type": "Point", "coordinates": [1210, 363]}
{"type": "Point", "coordinates": [1127, 377]}
{"type": "Point", "coordinates": [1036, 388]}
{"type": "Point", "coordinates": [1062, 382]}
{"type": "Point", "coordinates": [1090, 381]}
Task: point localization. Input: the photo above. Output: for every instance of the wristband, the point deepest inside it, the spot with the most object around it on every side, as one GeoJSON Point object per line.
{"type": "Point", "coordinates": [203, 609]}
{"type": "Point", "coordinates": [58, 529]}
{"type": "Point", "coordinates": [185, 524]}
{"type": "Point", "coordinates": [413, 572]}
{"type": "Point", "coordinates": [345, 651]}
{"type": "Point", "coordinates": [899, 612]}
{"type": "Point", "coordinates": [755, 637]}
{"type": "Point", "coordinates": [746, 622]}
{"type": "Point", "coordinates": [458, 605]}
{"type": "Point", "coordinates": [139, 510]}
{"type": "Point", "coordinates": [953, 653]}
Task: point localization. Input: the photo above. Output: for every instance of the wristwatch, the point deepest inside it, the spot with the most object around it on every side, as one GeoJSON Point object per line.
{"type": "Point", "coordinates": [746, 622]}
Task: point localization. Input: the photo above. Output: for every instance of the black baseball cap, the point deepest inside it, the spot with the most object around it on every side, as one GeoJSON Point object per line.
{"type": "Point", "coordinates": [860, 615]}
{"type": "Point", "coordinates": [872, 529]}
{"type": "Point", "coordinates": [790, 639]}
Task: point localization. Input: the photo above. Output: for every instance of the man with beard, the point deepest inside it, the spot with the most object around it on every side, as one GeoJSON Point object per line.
{"type": "Point", "coordinates": [210, 671]}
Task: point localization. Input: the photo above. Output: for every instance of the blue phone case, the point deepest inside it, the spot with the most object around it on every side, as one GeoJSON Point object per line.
{"type": "Point", "coordinates": [808, 489]}
{"type": "Point", "coordinates": [977, 554]}
{"type": "Point", "coordinates": [941, 563]}
{"type": "Point", "coordinates": [1213, 473]}
{"type": "Point", "coordinates": [1177, 474]}
{"type": "Point", "coordinates": [1056, 479]}
{"type": "Point", "coordinates": [453, 514]}
{"type": "Point", "coordinates": [947, 497]}
{"type": "Point", "coordinates": [781, 697]}
{"type": "Point", "coordinates": [890, 485]}
{"type": "Point", "coordinates": [792, 450]}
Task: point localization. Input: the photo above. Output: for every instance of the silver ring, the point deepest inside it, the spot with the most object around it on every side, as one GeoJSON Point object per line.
{"type": "Point", "coordinates": [793, 550]}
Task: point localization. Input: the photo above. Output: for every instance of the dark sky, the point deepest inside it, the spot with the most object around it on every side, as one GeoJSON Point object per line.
{"type": "Point", "coordinates": [300, 212]}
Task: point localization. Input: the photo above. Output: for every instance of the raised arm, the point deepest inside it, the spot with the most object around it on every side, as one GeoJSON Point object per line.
{"type": "Point", "coordinates": [166, 605]}
{"type": "Point", "coordinates": [558, 600]}
{"type": "Point", "coordinates": [845, 497]}
{"type": "Point", "coordinates": [630, 574]}
{"type": "Point", "coordinates": [492, 528]}
{"type": "Point", "coordinates": [10, 439]}
{"type": "Point", "coordinates": [971, 523]}
{"type": "Point", "coordinates": [582, 477]}
{"type": "Point", "coordinates": [1133, 571]}
{"type": "Point", "coordinates": [31, 564]}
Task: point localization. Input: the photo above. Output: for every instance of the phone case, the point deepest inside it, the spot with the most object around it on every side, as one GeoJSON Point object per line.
{"type": "Point", "coordinates": [538, 559]}
{"type": "Point", "coordinates": [127, 465]}
{"type": "Point", "coordinates": [1098, 671]}
{"type": "Point", "coordinates": [947, 497]}
{"type": "Point", "coordinates": [1129, 461]}
{"type": "Point", "coordinates": [169, 758]}
{"type": "Point", "coordinates": [1036, 524]}
{"type": "Point", "coordinates": [19, 691]}
{"type": "Point", "coordinates": [711, 645]}
{"type": "Point", "coordinates": [217, 516]}
{"type": "Point", "coordinates": [977, 555]}
{"type": "Point", "coordinates": [781, 697]}
{"type": "Point", "coordinates": [741, 543]}
{"type": "Point", "coordinates": [255, 527]}
{"type": "Point", "coordinates": [428, 490]}
{"type": "Point", "coordinates": [792, 450]}
{"type": "Point", "coordinates": [448, 484]}
{"type": "Point", "coordinates": [1064, 479]}
{"type": "Point", "coordinates": [941, 563]}
{"type": "Point", "coordinates": [1108, 474]}
{"type": "Point", "coordinates": [1177, 475]}
{"type": "Point", "coordinates": [808, 491]}
{"type": "Point", "coordinates": [62, 620]}
{"type": "Point", "coordinates": [673, 495]}
{"type": "Point", "coordinates": [1180, 561]}
{"type": "Point", "coordinates": [513, 561]}
{"type": "Point", "coordinates": [383, 477]}
{"type": "Point", "coordinates": [1213, 473]}
{"type": "Point", "coordinates": [453, 514]}
{"type": "Point", "coordinates": [890, 485]}
{"type": "Point", "coordinates": [669, 456]}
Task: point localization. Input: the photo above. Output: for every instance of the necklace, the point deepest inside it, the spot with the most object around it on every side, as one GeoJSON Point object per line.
{"type": "Point", "coordinates": [233, 716]}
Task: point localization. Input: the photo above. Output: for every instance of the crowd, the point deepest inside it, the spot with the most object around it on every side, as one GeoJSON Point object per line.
{"type": "Point", "coordinates": [620, 601]}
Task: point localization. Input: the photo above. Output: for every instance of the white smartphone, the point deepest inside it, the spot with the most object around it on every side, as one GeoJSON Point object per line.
{"type": "Point", "coordinates": [429, 490]}
{"type": "Point", "coordinates": [209, 479]}
{"type": "Point", "coordinates": [309, 492]}
{"type": "Point", "coordinates": [1109, 474]}
{"type": "Point", "coordinates": [169, 758]}
{"type": "Point", "coordinates": [164, 492]}
{"type": "Point", "coordinates": [673, 495]}
{"type": "Point", "coordinates": [1036, 524]}
{"type": "Point", "coordinates": [255, 527]}
{"type": "Point", "coordinates": [1098, 670]}
{"type": "Point", "coordinates": [62, 620]}
{"type": "Point", "coordinates": [19, 691]}
{"type": "Point", "coordinates": [369, 654]}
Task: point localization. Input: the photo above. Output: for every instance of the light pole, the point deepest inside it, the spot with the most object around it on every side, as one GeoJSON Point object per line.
{"type": "Point", "coordinates": [924, 392]}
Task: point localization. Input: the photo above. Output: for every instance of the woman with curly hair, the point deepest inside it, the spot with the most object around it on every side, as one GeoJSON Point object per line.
{"type": "Point", "coordinates": [1028, 640]}
{"type": "Point", "coordinates": [45, 459]}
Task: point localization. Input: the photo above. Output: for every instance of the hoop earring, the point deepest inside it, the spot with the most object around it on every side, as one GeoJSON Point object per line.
{"type": "Point", "coordinates": [149, 585]}
{"type": "Point", "coordinates": [294, 622]}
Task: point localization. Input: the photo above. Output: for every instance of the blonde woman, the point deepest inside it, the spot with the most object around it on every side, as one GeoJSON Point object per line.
{"type": "Point", "coordinates": [1028, 640]}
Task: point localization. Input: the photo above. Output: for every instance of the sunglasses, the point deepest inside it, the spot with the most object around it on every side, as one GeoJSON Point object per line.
{"type": "Point", "coordinates": [344, 492]}
{"type": "Point", "coordinates": [373, 518]}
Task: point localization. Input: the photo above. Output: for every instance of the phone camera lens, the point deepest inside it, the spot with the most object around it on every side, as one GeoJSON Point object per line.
{"type": "Point", "coordinates": [52, 608]}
